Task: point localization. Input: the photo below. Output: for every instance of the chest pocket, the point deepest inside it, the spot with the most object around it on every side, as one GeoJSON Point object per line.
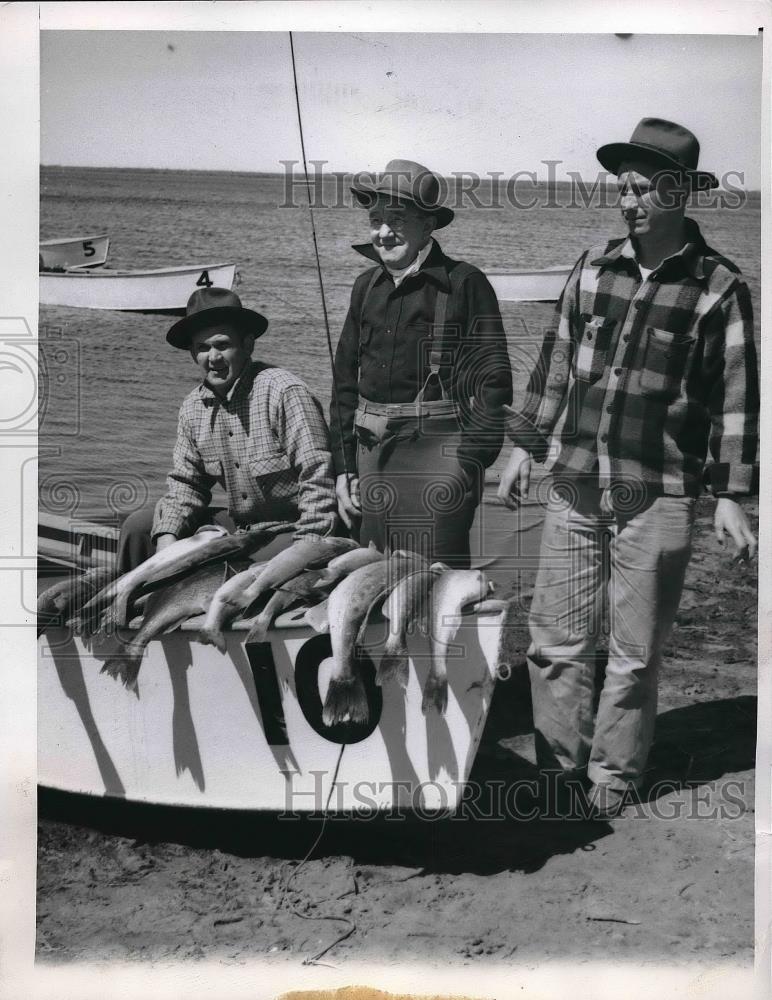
{"type": "Point", "coordinates": [592, 349]}
{"type": "Point", "coordinates": [274, 475]}
{"type": "Point", "coordinates": [664, 362]}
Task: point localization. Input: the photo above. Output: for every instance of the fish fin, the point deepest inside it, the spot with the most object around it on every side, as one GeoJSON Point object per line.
{"type": "Point", "coordinates": [125, 666]}
{"type": "Point", "coordinates": [378, 599]}
{"type": "Point", "coordinates": [258, 632]}
{"type": "Point", "coordinates": [209, 635]}
{"type": "Point", "coordinates": [346, 701]}
{"type": "Point", "coordinates": [373, 546]}
{"type": "Point", "coordinates": [318, 617]}
{"type": "Point", "coordinates": [393, 666]}
{"type": "Point", "coordinates": [304, 583]}
{"type": "Point", "coordinates": [435, 694]}
{"type": "Point", "coordinates": [278, 602]}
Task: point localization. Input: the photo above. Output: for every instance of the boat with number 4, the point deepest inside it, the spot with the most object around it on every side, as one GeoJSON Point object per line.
{"type": "Point", "coordinates": [530, 286]}
{"type": "Point", "coordinates": [74, 251]}
{"type": "Point", "coordinates": [162, 289]}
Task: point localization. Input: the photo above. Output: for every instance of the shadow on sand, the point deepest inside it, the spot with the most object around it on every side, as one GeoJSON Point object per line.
{"type": "Point", "coordinates": [510, 820]}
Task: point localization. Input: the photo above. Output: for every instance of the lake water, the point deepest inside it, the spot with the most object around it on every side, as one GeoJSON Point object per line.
{"type": "Point", "coordinates": [107, 432]}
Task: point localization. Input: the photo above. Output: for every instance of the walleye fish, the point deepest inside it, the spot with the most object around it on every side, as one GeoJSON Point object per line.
{"type": "Point", "coordinates": [451, 593]}
{"type": "Point", "coordinates": [211, 543]}
{"type": "Point", "coordinates": [56, 603]}
{"type": "Point", "coordinates": [166, 609]}
{"type": "Point", "coordinates": [318, 616]}
{"type": "Point", "coordinates": [349, 605]}
{"type": "Point", "coordinates": [243, 590]}
{"type": "Point", "coordinates": [404, 606]}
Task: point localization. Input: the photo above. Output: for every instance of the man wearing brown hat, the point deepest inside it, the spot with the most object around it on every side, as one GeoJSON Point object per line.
{"type": "Point", "coordinates": [651, 372]}
{"type": "Point", "coordinates": [421, 376]}
{"type": "Point", "coordinates": [253, 429]}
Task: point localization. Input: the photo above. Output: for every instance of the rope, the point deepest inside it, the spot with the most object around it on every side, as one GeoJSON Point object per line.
{"type": "Point", "coordinates": [316, 250]}
{"type": "Point", "coordinates": [314, 959]}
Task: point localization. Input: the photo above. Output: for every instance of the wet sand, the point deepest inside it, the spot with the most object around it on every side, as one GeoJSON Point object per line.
{"type": "Point", "coordinates": [671, 880]}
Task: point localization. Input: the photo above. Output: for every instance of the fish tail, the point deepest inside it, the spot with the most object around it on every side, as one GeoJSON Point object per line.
{"type": "Point", "coordinates": [393, 666]}
{"type": "Point", "coordinates": [346, 701]}
{"type": "Point", "coordinates": [259, 631]}
{"type": "Point", "coordinates": [211, 635]}
{"type": "Point", "coordinates": [125, 666]}
{"type": "Point", "coordinates": [435, 694]}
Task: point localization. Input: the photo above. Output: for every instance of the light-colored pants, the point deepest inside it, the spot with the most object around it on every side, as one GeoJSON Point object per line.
{"type": "Point", "coordinates": [639, 560]}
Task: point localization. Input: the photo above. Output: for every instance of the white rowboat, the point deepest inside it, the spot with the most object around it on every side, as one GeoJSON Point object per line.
{"type": "Point", "coordinates": [243, 730]}
{"type": "Point", "coordinates": [74, 251]}
{"type": "Point", "coordinates": [164, 289]}
{"type": "Point", "coordinates": [530, 286]}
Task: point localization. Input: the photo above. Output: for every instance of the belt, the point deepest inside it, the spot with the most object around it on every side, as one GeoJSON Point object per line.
{"type": "Point", "coordinates": [423, 408]}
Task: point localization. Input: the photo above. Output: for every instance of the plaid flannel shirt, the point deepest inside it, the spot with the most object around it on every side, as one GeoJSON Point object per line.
{"type": "Point", "coordinates": [642, 378]}
{"type": "Point", "coordinates": [266, 444]}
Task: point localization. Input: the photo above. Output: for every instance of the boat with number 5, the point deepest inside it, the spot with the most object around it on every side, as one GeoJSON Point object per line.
{"type": "Point", "coordinates": [162, 289]}
{"type": "Point", "coordinates": [74, 251]}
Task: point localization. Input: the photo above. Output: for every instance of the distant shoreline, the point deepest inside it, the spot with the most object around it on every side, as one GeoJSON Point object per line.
{"type": "Point", "coordinates": [521, 181]}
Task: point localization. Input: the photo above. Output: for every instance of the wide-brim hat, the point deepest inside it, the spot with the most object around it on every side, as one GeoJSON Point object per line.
{"type": "Point", "coordinates": [405, 180]}
{"type": "Point", "coordinates": [663, 143]}
{"type": "Point", "coordinates": [210, 306]}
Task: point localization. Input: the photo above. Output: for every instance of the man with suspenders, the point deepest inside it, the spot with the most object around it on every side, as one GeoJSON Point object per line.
{"type": "Point", "coordinates": [421, 377]}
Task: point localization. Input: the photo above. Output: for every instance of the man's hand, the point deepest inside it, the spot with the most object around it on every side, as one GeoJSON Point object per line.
{"type": "Point", "coordinates": [730, 519]}
{"type": "Point", "coordinates": [163, 540]}
{"type": "Point", "coordinates": [515, 479]}
{"type": "Point", "coordinates": [347, 490]}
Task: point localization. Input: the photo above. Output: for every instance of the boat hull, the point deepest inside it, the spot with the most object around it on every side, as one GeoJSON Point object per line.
{"type": "Point", "coordinates": [242, 730]}
{"type": "Point", "coordinates": [79, 251]}
{"type": "Point", "coordinates": [530, 286]}
{"type": "Point", "coordinates": [159, 290]}
{"type": "Point", "coordinates": [75, 545]}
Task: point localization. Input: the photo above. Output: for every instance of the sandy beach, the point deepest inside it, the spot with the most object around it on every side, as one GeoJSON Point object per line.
{"type": "Point", "coordinates": [673, 876]}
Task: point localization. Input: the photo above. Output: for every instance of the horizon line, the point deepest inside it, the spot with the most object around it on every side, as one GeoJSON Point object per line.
{"type": "Point", "coordinates": [330, 173]}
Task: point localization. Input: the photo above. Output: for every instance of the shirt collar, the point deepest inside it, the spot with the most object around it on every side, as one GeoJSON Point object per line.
{"type": "Point", "coordinates": [399, 274]}
{"type": "Point", "coordinates": [241, 386]}
{"type": "Point", "coordinates": [433, 266]}
{"type": "Point", "coordinates": [689, 259]}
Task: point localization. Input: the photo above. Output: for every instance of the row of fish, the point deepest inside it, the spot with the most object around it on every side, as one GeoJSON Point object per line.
{"type": "Point", "coordinates": [216, 574]}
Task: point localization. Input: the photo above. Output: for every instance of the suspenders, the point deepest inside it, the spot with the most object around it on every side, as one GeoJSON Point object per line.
{"type": "Point", "coordinates": [442, 352]}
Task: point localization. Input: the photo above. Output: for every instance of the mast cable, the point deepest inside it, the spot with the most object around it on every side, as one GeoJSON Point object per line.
{"type": "Point", "coordinates": [316, 255]}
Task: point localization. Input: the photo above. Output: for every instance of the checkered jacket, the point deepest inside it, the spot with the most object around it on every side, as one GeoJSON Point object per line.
{"type": "Point", "coordinates": [641, 380]}
{"type": "Point", "coordinates": [266, 444]}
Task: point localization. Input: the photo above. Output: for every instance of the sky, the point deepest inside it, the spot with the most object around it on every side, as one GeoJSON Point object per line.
{"type": "Point", "coordinates": [481, 103]}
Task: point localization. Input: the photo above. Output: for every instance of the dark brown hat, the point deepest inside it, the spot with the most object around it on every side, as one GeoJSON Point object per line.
{"type": "Point", "coordinates": [664, 144]}
{"type": "Point", "coordinates": [208, 306]}
{"type": "Point", "coordinates": [405, 180]}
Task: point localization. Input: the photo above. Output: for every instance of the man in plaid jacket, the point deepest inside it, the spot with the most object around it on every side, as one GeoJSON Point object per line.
{"type": "Point", "coordinates": [651, 368]}
{"type": "Point", "coordinates": [253, 429]}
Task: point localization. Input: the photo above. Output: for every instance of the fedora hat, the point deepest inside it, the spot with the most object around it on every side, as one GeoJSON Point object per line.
{"type": "Point", "coordinates": [406, 180]}
{"type": "Point", "coordinates": [663, 143]}
{"type": "Point", "coordinates": [208, 306]}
